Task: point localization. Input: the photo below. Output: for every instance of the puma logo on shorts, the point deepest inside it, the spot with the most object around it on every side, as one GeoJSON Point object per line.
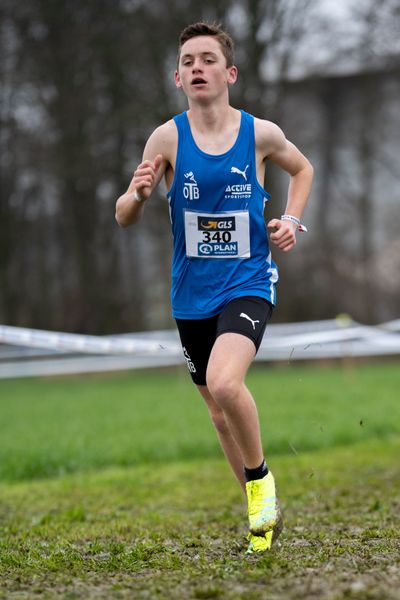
{"type": "Point", "coordinates": [249, 319]}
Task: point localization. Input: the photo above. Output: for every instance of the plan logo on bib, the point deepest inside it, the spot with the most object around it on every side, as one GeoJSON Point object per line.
{"type": "Point", "coordinates": [238, 190]}
{"type": "Point", "coordinates": [190, 188]}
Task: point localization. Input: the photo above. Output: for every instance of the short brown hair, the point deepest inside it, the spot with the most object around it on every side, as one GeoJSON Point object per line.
{"type": "Point", "coordinates": [214, 30]}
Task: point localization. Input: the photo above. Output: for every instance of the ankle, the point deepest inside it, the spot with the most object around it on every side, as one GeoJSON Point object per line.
{"type": "Point", "coordinates": [257, 473]}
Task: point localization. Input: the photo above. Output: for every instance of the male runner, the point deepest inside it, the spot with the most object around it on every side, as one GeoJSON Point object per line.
{"type": "Point", "coordinates": [213, 159]}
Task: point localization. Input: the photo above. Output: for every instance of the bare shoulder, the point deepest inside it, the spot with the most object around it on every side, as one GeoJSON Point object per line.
{"type": "Point", "coordinates": [269, 137]}
{"type": "Point", "coordinates": [166, 133]}
{"type": "Point", "coordinates": [163, 141]}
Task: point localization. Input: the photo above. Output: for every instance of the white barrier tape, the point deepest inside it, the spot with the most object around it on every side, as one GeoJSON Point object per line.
{"type": "Point", "coordinates": [88, 344]}
{"type": "Point", "coordinates": [323, 337]}
{"type": "Point", "coordinates": [391, 326]}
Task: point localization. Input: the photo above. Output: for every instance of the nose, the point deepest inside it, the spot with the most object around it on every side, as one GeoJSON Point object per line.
{"type": "Point", "coordinates": [196, 66]}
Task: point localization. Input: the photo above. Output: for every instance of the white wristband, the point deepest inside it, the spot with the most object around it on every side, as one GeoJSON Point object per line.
{"type": "Point", "coordinates": [137, 198]}
{"type": "Point", "coordinates": [294, 220]}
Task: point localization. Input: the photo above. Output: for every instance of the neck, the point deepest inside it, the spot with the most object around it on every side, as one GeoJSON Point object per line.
{"type": "Point", "coordinates": [211, 117]}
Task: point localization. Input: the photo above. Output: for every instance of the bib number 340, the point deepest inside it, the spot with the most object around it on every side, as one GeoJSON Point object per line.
{"type": "Point", "coordinates": [217, 235]}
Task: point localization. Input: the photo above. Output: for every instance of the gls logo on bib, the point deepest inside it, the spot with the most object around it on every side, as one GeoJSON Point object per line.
{"type": "Point", "coordinates": [190, 188]}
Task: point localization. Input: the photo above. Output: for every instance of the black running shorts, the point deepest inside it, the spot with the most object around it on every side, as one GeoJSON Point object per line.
{"type": "Point", "coordinates": [248, 316]}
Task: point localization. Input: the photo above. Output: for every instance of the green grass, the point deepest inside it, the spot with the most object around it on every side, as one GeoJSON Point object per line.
{"type": "Point", "coordinates": [179, 531]}
{"type": "Point", "coordinates": [54, 426]}
{"type": "Point", "coordinates": [114, 487]}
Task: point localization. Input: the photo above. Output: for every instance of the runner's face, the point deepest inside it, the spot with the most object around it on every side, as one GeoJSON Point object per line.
{"type": "Point", "coordinates": [202, 71]}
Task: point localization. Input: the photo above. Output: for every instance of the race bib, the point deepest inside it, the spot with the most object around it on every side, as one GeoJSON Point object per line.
{"type": "Point", "coordinates": [217, 235]}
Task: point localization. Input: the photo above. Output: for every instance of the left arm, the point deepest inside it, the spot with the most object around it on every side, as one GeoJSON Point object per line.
{"type": "Point", "coordinates": [274, 146]}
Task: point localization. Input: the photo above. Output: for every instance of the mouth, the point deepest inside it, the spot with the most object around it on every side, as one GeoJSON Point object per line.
{"type": "Point", "coordinates": [198, 81]}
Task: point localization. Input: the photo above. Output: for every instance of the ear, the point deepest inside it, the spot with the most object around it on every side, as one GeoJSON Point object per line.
{"type": "Point", "coordinates": [177, 79]}
{"type": "Point", "coordinates": [232, 75]}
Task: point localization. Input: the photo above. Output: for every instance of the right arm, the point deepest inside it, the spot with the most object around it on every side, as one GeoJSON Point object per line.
{"type": "Point", "coordinates": [147, 176]}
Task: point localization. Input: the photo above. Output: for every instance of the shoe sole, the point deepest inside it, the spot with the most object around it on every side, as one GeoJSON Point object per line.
{"type": "Point", "coordinates": [276, 528]}
{"type": "Point", "coordinates": [276, 532]}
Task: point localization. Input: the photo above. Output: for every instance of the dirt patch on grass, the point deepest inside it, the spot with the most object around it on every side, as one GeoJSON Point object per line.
{"type": "Point", "coordinates": [340, 540]}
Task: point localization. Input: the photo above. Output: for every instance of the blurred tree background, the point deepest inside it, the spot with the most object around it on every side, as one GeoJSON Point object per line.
{"type": "Point", "coordinates": [83, 84]}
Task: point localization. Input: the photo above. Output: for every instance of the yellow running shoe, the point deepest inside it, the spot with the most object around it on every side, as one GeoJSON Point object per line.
{"type": "Point", "coordinates": [259, 543]}
{"type": "Point", "coordinates": [263, 510]}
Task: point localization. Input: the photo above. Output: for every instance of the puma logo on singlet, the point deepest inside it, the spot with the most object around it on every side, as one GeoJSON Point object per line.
{"type": "Point", "coordinates": [248, 318]}
{"type": "Point", "coordinates": [236, 170]}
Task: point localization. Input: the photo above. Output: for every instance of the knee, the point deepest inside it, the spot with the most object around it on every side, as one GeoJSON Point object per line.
{"type": "Point", "coordinates": [219, 422]}
{"type": "Point", "coordinates": [223, 389]}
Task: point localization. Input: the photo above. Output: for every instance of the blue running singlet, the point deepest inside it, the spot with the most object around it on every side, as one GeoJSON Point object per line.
{"type": "Point", "coordinates": [221, 249]}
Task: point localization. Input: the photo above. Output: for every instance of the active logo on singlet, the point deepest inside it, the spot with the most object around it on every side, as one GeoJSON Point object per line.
{"type": "Point", "coordinates": [238, 190]}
